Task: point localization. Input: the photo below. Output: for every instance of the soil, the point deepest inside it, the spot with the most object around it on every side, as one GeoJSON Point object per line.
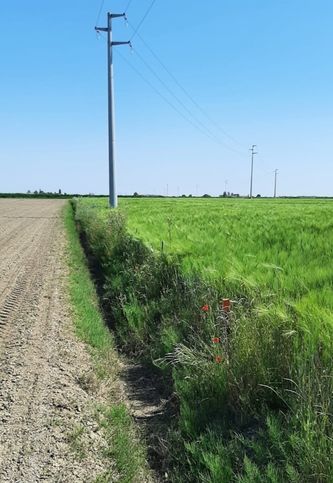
{"type": "Point", "coordinates": [153, 406]}
{"type": "Point", "coordinates": [48, 431]}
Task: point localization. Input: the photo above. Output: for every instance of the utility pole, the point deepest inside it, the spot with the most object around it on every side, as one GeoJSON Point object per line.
{"type": "Point", "coordinates": [113, 199]}
{"type": "Point", "coordinates": [253, 153]}
{"type": "Point", "coordinates": [275, 181]}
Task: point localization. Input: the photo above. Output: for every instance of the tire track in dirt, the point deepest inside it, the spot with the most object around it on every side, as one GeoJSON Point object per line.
{"type": "Point", "coordinates": [16, 266]}
{"type": "Point", "coordinates": [14, 251]}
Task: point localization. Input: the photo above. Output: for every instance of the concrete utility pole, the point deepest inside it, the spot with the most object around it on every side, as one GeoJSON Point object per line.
{"type": "Point", "coordinates": [252, 159]}
{"type": "Point", "coordinates": [275, 181]}
{"type": "Point", "coordinates": [113, 199]}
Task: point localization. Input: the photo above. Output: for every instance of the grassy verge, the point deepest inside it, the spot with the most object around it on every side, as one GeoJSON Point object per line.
{"type": "Point", "coordinates": [124, 447]}
{"type": "Point", "coordinates": [254, 407]}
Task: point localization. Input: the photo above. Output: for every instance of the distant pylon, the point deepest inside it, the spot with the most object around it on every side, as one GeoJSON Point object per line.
{"type": "Point", "coordinates": [275, 181]}
{"type": "Point", "coordinates": [252, 159]}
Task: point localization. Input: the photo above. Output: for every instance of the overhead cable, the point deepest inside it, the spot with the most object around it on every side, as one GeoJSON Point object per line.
{"type": "Point", "coordinates": [128, 5]}
{"type": "Point", "coordinates": [185, 91]}
{"type": "Point", "coordinates": [99, 12]}
{"type": "Point", "coordinates": [136, 30]}
{"type": "Point", "coordinates": [175, 108]}
{"type": "Point", "coordinates": [181, 103]}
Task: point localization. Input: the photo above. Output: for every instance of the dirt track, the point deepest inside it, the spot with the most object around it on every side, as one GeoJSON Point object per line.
{"type": "Point", "coordinates": [47, 428]}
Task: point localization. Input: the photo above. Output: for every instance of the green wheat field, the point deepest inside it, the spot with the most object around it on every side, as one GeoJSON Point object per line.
{"type": "Point", "coordinates": [257, 406]}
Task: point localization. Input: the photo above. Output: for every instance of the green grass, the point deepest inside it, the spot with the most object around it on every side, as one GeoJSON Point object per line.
{"type": "Point", "coordinates": [264, 412]}
{"type": "Point", "coordinates": [124, 449]}
{"type": "Point", "coordinates": [130, 457]}
{"type": "Point", "coordinates": [88, 320]}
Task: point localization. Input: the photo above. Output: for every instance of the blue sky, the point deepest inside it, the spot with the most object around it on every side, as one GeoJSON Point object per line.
{"type": "Point", "coordinates": [260, 69]}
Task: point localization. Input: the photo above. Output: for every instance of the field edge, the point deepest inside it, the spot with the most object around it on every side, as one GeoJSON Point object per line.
{"type": "Point", "coordinates": [125, 449]}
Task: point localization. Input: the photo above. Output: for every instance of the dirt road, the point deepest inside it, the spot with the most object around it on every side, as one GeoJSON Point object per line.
{"type": "Point", "coordinates": [47, 427]}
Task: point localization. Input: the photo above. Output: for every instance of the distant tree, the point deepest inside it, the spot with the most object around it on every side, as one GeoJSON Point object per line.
{"type": "Point", "coordinates": [28, 192]}
{"type": "Point", "coordinates": [206, 196]}
{"type": "Point", "coordinates": [190, 196]}
{"type": "Point", "coordinates": [135, 194]}
{"type": "Point", "coordinates": [183, 196]}
{"type": "Point", "coordinates": [59, 192]}
{"type": "Point", "coordinates": [258, 196]}
{"type": "Point", "coordinates": [35, 192]}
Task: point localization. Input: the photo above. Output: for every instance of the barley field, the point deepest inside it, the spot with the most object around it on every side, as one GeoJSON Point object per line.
{"type": "Point", "coordinates": [254, 385]}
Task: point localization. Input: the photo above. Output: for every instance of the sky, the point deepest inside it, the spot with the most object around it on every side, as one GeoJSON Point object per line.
{"type": "Point", "coordinates": [251, 72]}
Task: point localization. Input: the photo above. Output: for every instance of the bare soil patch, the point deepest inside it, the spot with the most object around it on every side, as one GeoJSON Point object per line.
{"type": "Point", "coordinates": [48, 430]}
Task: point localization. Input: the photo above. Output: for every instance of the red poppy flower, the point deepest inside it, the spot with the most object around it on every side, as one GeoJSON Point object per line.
{"type": "Point", "coordinates": [218, 359]}
{"type": "Point", "coordinates": [205, 308]}
{"type": "Point", "coordinates": [226, 305]}
{"type": "Point", "coordinates": [216, 340]}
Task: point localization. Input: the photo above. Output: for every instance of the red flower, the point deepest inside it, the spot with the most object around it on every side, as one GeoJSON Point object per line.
{"type": "Point", "coordinates": [226, 305]}
{"type": "Point", "coordinates": [205, 308]}
{"type": "Point", "coordinates": [218, 359]}
{"type": "Point", "coordinates": [216, 340]}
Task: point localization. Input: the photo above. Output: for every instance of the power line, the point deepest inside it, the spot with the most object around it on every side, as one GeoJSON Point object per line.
{"type": "Point", "coordinates": [195, 123]}
{"type": "Point", "coordinates": [180, 102]}
{"type": "Point", "coordinates": [128, 5]}
{"type": "Point", "coordinates": [267, 172]}
{"type": "Point", "coordinates": [203, 130]}
{"type": "Point", "coordinates": [185, 91]}
{"type": "Point", "coordinates": [167, 101]}
{"type": "Point", "coordinates": [203, 127]}
{"type": "Point", "coordinates": [100, 12]}
{"type": "Point", "coordinates": [193, 120]}
{"type": "Point", "coordinates": [136, 30]}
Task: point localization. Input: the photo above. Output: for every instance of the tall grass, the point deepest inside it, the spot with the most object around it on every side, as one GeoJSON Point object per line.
{"type": "Point", "coordinates": [257, 405]}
